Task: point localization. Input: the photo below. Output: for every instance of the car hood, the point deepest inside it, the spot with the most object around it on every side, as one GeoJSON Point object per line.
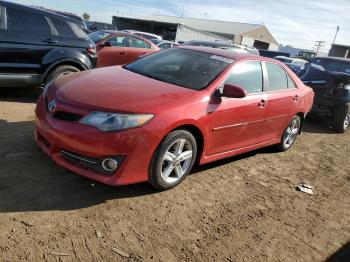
{"type": "Point", "coordinates": [118, 90]}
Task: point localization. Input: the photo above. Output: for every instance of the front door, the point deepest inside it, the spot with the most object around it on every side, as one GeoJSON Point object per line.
{"type": "Point", "coordinates": [237, 122]}
{"type": "Point", "coordinates": [117, 54]}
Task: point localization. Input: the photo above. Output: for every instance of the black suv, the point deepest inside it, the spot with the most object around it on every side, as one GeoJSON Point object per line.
{"type": "Point", "coordinates": [37, 46]}
{"type": "Point", "coordinates": [330, 79]}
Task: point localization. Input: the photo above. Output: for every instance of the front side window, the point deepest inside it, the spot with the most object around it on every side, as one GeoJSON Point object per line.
{"type": "Point", "coordinates": [26, 23]}
{"type": "Point", "coordinates": [139, 43]}
{"type": "Point", "coordinates": [277, 78]}
{"type": "Point", "coordinates": [119, 41]}
{"type": "Point", "coordinates": [187, 68]}
{"type": "Point", "coordinates": [98, 36]}
{"type": "Point", "coordinates": [247, 75]}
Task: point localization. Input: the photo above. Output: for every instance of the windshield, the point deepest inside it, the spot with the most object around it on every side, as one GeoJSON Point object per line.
{"type": "Point", "coordinates": [98, 36]}
{"type": "Point", "coordinates": [333, 65]}
{"type": "Point", "coordinates": [186, 68]}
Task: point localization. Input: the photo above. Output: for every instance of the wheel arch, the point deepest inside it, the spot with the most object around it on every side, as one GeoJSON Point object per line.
{"type": "Point", "coordinates": [198, 135]}
{"type": "Point", "coordinates": [68, 62]}
{"type": "Point", "coordinates": [301, 115]}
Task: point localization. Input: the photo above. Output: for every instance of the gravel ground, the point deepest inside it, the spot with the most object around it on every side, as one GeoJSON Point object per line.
{"type": "Point", "coordinates": [243, 208]}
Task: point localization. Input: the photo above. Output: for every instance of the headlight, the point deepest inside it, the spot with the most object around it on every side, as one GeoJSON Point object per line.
{"type": "Point", "coordinates": [113, 122]}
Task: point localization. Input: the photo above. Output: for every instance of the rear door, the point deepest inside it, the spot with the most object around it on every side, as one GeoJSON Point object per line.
{"type": "Point", "coordinates": [282, 101]}
{"type": "Point", "coordinates": [117, 54]}
{"type": "Point", "coordinates": [26, 40]}
{"type": "Point", "coordinates": [237, 122]}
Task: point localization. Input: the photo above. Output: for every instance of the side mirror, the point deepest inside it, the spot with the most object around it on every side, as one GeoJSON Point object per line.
{"type": "Point", "coordinates": [233, 91]}
{"type": "Point", "coordinates": [107, 44]}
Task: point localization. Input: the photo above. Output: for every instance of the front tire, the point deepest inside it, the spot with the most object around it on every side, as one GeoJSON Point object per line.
{"type": "Point", "coordinates": [61, 71]}
{"type": "Point", "coordinates": [341, 119]}
{"type": "Point", "coordinates": [290, 134]}
{"type": "Point", "coordinates": [173, 160]}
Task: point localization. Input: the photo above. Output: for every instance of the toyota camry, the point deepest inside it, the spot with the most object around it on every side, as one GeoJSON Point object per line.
{"type": "Point", "coordinates": [155, 118]}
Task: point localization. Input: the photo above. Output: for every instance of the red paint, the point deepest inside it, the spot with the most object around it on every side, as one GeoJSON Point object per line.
{"type": "Point", "coordinates": [112, 55]}
{"type": "Point", "coordinates": [229, 127]}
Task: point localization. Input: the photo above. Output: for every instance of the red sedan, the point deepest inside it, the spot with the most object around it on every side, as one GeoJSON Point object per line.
{"type": "Point", "coordinates": [153, 119]}
{"type": "Point", "coordinates": [118, 48]}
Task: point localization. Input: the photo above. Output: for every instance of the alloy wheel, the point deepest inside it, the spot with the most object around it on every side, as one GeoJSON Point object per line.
{"type": "Point", "coordinates": [176, 160]}
{"type": "Point", "coordinates": [291, 134]}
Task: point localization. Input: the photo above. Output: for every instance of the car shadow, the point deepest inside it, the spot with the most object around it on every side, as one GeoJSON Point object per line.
{"type": "Point", "coordinates": [23, 95]}
{"type": "Point", "coordinates": [341, 255]}
{"type": "Point", "coordinates": [31, 181]}
{"type": "Point", "coordinates": [318, 126]}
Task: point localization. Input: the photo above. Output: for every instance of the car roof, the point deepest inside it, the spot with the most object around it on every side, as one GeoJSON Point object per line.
{"type": "Point", "coordinates": [37, 10]}
{"type": "Point", "coordinates": [209, 43]}
{"type": "Point", "coordinates": [222, 52]}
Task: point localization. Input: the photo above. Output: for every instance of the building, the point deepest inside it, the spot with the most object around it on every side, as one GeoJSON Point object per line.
{"type": "Point", "coordinates": [340, 51]}
{"type": "Point", "coordinates": [255, 35]}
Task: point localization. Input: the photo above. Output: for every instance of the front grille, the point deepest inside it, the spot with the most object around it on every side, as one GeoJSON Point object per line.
{"type": "Point", "coordinates": [66, 116]}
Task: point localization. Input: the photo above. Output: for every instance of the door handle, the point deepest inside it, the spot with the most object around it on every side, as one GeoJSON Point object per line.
{"type": "Point", "coordinates": [262, 103]}
{"type": "Point", "coordinates": [295, 98]}
{"type": "Point", "coordinates": [123, 53]}
{"type": "Point", "coordinates": [50, 41]}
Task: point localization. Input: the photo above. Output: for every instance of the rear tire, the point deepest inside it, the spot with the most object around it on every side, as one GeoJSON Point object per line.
{"type": "Point", "coordinates": [173, 160]}
{"type": "Point", "coordinates": [61, 71]}
{"type": "Point", "coordinates": [341, 118]}
{"type": "Point", "coordinates": [290, 134]}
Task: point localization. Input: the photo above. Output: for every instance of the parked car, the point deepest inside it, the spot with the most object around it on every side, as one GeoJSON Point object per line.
{"type": "Point", "coordinates": [37, 46]}
{"type": "Point", "coordinates": [118, 48]}
{"type": "Point", "coordinates": [222, 45]}
{"type": "Point", "coordinates": [153, 119]}
{"type": "Point", "coordinates": [145, 35]}
{"type": "Point", "coordinates": [296, 64]}
{"type": "Point", "coordinates": [330, 79]}
{"type": "Point", "coordinates": [164, 44]}
{"type": "Point", "coordinates": [97, 26]}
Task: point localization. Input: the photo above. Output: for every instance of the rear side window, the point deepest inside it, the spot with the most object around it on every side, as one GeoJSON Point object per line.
{"type": "Point", "coordinates": [291, 83]}
{"type": "Point", "coordinates": [78, 31]}
{"type": "Point", "coordinates": [63, 28]}
{"type": "Point", "coordinates": [247, 75]}
{"type": "Point", "coordinates": [2, 17]}
{"type": "Point", "coordinates": [139, 43]}
{"type": "Point", "coordinates": [277, 77]}
{"type": "Point", "coordinates": [25, 22]}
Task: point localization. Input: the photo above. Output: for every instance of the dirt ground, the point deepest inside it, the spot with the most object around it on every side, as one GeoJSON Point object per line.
{"type": "Point", "coordinates": [244, 208]}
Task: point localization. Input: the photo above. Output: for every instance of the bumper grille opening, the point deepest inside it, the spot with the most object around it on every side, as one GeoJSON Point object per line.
{"type": "Point", "coordinates": [66, 116]}
{"type": "Point", "coordinates": [86, 162]}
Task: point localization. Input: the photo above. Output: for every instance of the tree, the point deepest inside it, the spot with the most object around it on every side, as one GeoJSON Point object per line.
{"type": "Point", "coordinates": [86, 16]}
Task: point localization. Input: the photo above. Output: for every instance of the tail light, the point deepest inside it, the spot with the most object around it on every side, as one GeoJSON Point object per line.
{"type": "Point", "coordinates": [91, 50]}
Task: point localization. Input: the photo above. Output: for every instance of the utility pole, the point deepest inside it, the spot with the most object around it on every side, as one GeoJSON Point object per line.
{"type": "Point", "coordinates": [336, 33]}
{"type": "Point", "coordinates": [183, 10]}
{"type": "Point", "coordinates": [318, 45]}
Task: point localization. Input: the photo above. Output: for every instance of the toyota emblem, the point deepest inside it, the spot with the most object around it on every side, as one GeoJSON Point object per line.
{"type": "Point", "coordinates": [51, 105]}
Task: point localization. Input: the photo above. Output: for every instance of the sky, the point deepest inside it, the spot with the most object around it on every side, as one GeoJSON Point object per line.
{"type": "Point", "coordinates": [298, 23]}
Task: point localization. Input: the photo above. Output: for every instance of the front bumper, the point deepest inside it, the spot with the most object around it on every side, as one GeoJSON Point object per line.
{"type": "Point", "coordinates": [133, 148]}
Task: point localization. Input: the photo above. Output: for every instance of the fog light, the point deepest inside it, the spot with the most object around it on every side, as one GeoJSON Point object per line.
{"type": "Point", "coordinates": [109, 164]}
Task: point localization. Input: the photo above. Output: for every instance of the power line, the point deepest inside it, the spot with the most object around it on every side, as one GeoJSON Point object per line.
{"type": "Point", "coordinates": [318, 45]}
